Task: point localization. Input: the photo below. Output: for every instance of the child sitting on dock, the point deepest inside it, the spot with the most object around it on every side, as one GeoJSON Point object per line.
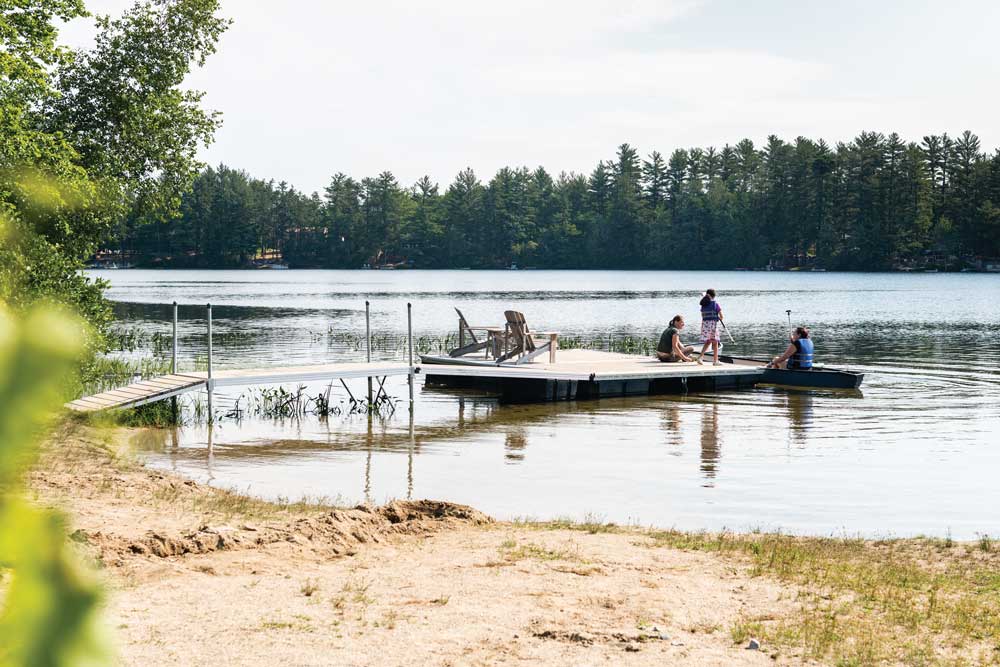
{"type": "Point", "coordinates": [670, 348]}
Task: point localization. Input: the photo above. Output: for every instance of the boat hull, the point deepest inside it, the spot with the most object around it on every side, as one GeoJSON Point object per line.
{"type": "Point", "coordinates": [817, 378]}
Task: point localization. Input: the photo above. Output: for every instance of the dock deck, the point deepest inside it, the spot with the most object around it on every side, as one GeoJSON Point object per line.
{"type": "Point", "coordinates": [167, 386]}
{"type": "Point", "coordinates": [139, 393]}
{"type": "Point", "coordinates": [584, 374]}
{"type": "Point", "coordinates": [577, 374]}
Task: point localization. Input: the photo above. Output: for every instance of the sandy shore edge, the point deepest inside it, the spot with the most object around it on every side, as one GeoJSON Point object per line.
{"type": "Point", "coordinates": [198, 574]}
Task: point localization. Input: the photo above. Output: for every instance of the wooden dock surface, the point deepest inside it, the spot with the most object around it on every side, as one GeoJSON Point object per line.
{"type": "Point", "coordinates": [589, 374]}
{"type": "Point", "coordinates": [166, 386]}
{"type": "Point", "coordinates": [570, 365]}
{"type": "Point", "coordinates": [591, 365]}
{"type": "Point", "coordinates": [138, 393]}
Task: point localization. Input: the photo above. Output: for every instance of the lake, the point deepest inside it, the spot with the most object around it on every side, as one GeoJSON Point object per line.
{"type": "Point", "coordinates": [916, 451]}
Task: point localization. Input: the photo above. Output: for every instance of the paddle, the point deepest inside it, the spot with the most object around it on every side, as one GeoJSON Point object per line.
{"type": "Point", "coordinates": [731, 339]}
{"type": "Point", "coordinates": [789, 314]}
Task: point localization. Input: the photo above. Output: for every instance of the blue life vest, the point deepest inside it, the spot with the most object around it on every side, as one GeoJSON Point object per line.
{"type": "Point", "coordinates": [710, 311]}
{"type": "Point", "coordinates": [803, 357]}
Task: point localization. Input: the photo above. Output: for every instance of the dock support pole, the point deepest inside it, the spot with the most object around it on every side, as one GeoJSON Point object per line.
{"type": "Point", "coordinates": [208, 384]}
{"type": "Point", "coordinates": [409, 341]}
{"type": "Point", "coordinates": [368, 345]}
{"type": "Point", "coordinates": [173, 362]}
{"type": "Point", "coordinates": [173, 357]}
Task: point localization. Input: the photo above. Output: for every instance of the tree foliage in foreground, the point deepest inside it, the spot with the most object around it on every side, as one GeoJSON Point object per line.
{"type": "Point", "coordinates": [84, 138]}
{"type": "Point", "coordinates": [873, 203]}
{"type": "Point", "coordinates": [50, 605]}
{"type": "Point", "coordinates": [87, 136]}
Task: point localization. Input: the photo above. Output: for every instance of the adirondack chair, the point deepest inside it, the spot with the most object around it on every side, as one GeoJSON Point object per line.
{"type": "Point", "coordinates": [490, 343]}
{"type": "Point", "coordinates": [523, 346]}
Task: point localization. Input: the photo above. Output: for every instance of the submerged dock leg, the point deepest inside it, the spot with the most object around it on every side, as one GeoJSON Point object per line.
{"type": "Point", "coordinates": [173, 364]}
{"type": "Point", "coordinates": [368, 344]}
{"type": "Point", "coordinates": [409, 461]}
{"type": "Point", "coordinates": [409, 339]}
{"type": "Point", "coordinates": [209, 384]}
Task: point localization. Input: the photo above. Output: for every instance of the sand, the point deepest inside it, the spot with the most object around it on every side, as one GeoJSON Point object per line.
{"type": "Point", "coordinates": [195, 577]}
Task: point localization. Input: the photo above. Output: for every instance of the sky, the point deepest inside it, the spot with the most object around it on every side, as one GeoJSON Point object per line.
{"type": "Point", "coordinates": [309, 88]}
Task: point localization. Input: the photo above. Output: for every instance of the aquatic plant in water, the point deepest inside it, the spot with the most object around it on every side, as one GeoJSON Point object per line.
{"type": "Point", "coordinates": [281, 403]}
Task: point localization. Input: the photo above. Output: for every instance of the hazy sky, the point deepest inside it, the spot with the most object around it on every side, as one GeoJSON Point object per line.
{"type": "Point", "coordinates": [310, 87]}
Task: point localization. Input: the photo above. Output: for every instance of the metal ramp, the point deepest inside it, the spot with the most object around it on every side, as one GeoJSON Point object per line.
{"type": "Point", "coordinates": [138, 393]}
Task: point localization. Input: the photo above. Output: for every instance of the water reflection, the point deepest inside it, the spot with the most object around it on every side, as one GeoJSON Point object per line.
{"type": "Point", "coordinates": [670, 424]}
{"type": "Point", "coordinates": [800, 416]}
{"type": "Point", "coordinates": [920, 445]}
{"type": "Point", "coordinates": [368, 476]}
{"type": "Point", "coordinates": [211, 452]}
{"type": "Point", "coordinates": [710, 443]}
{"type": "Point", "coordinates": [409, 457]}
{"type": "Point", "coordinates": [514, 444]}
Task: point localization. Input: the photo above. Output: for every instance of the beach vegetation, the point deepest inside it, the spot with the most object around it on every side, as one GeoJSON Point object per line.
{"type": "Point", "coordinates": [50, 601]}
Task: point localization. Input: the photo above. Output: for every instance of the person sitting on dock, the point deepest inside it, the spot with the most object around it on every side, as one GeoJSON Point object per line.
{"type": "Point", "coordinates": [670, 348]}
{"type": "Point", "coordinates": [711, 315]}
{"type": "Point", "coordinates": [799, 355]}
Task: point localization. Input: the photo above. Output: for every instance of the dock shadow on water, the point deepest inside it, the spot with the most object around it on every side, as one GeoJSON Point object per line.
{"type": "Point", "coordinates": [914, 453]}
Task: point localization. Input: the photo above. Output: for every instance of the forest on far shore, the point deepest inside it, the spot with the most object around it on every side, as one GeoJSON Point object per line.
{"type": "Point", "coordinates": [875, 203]}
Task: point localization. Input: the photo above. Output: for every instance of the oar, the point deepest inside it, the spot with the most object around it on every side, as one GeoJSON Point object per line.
{"type": "Point", "coordinates": [789, 313]}
{"type": "Point", "coordinates": [731, 339]}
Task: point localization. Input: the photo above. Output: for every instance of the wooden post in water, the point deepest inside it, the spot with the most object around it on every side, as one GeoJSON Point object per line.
{"type": "Point", "coordinates": [173, 361]}
{"type": "Point", "coordinates": [368, 347]}
{"type": "Point", "coordinates": [208, 384]}
{"type": "Point", "coordinates": [409, 340]}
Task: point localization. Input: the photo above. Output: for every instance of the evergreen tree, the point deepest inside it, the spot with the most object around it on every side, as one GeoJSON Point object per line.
{"type": "Point", "coordinates": [873, 203]}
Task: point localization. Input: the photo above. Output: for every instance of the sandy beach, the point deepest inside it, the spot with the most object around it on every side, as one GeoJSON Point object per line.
{"type": "Point", "coordinates": [197, 575]}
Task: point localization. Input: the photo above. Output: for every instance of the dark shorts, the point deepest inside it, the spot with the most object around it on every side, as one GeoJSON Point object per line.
{"type": "Point", "coordinates": [670, 357]}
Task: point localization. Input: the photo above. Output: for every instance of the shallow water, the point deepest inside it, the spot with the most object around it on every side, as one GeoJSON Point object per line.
{"type": "Point", "coordinates": [916, 451]}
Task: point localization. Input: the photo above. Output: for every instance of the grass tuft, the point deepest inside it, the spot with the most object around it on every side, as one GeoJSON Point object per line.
{"type": "Point", "coordinates": [867, 602]}
{"type": "Point", "coordinates": [920, 601]}
{"type": "Point", "coordinates": [309, 587]}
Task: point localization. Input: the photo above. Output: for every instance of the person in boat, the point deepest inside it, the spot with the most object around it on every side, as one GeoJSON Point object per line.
{"type": "Point", "coordinates": [799, 355]}
{"type": "Point", "coordinates": [711, 317]}
{"type": "Point", "coordinates": [670, 348]}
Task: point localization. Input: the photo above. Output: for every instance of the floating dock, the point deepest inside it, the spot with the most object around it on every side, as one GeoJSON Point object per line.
{"type": "Point", "coordinates": [589, 374]}
{"type": "Point", "coordinates": [571, 375]}
{"type": "Point", "coordinates": [576, 375]}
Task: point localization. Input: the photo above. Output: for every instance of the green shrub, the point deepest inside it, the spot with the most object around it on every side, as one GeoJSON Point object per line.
{"type": "Point", "coordinates": [50, 608]}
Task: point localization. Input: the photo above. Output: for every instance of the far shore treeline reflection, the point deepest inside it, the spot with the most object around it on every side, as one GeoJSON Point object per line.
{"type": "Point", "coordinates": [877, 202]}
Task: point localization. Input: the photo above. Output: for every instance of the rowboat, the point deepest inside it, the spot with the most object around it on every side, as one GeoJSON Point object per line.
{"type": "Point", "coordinates": [816, 378]}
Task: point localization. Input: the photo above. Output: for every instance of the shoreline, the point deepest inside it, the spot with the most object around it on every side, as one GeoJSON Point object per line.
{"type": "Point", "coordinates": [195, 573]}
{"type": "Point", "coordinates": [535, 269]}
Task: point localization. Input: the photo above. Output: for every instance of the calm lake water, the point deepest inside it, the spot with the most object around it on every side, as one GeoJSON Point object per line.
{"type": "Point", "coordinates": [917, 451]}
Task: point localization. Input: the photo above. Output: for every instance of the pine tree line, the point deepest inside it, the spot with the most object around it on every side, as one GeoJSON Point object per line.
{"type": "Point", "coordinates": [876, 202]}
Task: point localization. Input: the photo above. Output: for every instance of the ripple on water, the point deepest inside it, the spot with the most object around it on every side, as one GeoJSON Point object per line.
{"type": "Point", "coordinates": [914, 452]}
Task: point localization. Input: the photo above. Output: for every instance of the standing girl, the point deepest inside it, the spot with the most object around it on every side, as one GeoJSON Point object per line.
{"type": "Point", "coordinates": [711, 315]}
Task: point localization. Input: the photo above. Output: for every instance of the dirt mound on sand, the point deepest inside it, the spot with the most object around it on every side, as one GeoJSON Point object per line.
{"type": "Point", "coordinates": [333, 533]}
